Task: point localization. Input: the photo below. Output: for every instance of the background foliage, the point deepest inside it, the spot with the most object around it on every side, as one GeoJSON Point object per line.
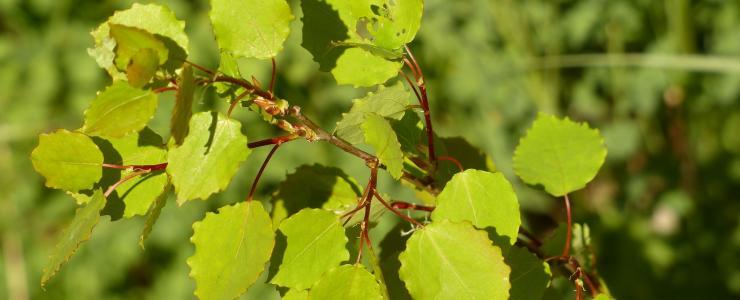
{"type": "Point", "coordinates": [663, 213]}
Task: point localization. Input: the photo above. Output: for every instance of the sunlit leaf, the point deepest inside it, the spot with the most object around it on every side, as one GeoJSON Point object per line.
{"type": "Point", "coordinates": [559, 154]}
{"type": "Point", "coordinates": [183, 105]}
{"type": "Point", "coordinates": [446, 260]}
{"type": "Point", "coordinates": [375, 69]}
{"type": "Point", "coordinates": [76, 233]}
{"type": "Point", "coordinates": [68, 160]}
{"type": "Point", "coordinates": [251, 28]}
{"type": "Point", "coordinates": [130, 40]}
{"type": "Point", "coordinates": [389, 102]}
{"type": "Point", "coordinates": [142, 67]}
{"type": "Point", "coordinates": [483, 198]}
{"type": "Point", "coordinates": [316, 244]}
{"type": "Point", "coordinates": [208, 158]}
{"type": "Point", "coordinates": [119, 110]}
{"type": "Point", "coordinates": [380, 135]}
{"type": "Point", "coordinates": [231, 250]}
{"type": "Point", "coordinates": [348, 282]}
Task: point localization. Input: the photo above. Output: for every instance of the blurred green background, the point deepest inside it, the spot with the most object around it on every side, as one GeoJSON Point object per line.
{"type": "Point", "coordinates": [660, 79]}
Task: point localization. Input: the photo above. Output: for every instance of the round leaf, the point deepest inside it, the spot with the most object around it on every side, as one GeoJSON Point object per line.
{"type": "Point", "coordinates": [560, 154]}
{"type": "Point", "coordinates": [347, 282]}
{"type": "Point", "coordinates": [251, 28]}
{"type": "Point", "coordinates": [483, 198]}
{"type": "Point", "coordinates": [208, 158]}
{"type": "Point", "coordinates": [155, 19]}
{"type": "Point", "coordinates": [446, 260]}
{"type": "Point", "coordinates": [231, 250]}
{"type": "Point", "coordinates": [119, 110]}
{"type": "Point", "coordinates": [316, 244]}
{"type": "Point", "coordinates": [362, 69]}
{"type": "Point", "coordinates": [68, 160]}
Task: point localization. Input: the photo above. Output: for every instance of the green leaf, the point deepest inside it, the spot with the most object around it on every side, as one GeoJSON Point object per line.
{"type": "Point", "coordinates": [321, 27]}
{"type": "Point", "coordinates": [142, 67]}
{"type": "Point", "coordinates": [380, 135]}
{"type": "Point", "coordinates": [293, 294]}
{"type": "Point", "coordinates": [208, 158]}
{"type": "Point", "coordinates": [347, 282]}
{"type": "Point", "coordinates": [387, 24]}
{"type": "Point", "coordinates": [155, 19]}
{"type": "Point", "coordinates": [315, 186]}
{"type": "Point", "coordinates": [530, 276]}
{"type": "Point", "coordinates": [374, 69]}
{"type": "Point", "coordinates": [483, 198]}
{"type": "Point", "coordinates": [231, 250]}
{"type": "Point", "coordinates": [153, 215]}
{"type": "Point", "coordinates": [446, 260]}
{"type": "Point", "coordinates": [68, 160]}
{"type": "Point", "coordinates": [77, 232]}
{"type": "Point", "coordinates": [140, 193]}
{"type": "Point", "coordinates": [316, 244]}
{"type": "Point", "coordinates": [409, 132]}
{"type": "Point", "coordinates": [119, 110]}
{"type": "Point", "coordinates": [469, 156]}
{"type": "Point", "coordinates": [130, 40]}
{"type": "Point", "coordinates": [560, 154]}
{"type": "Point", "coordinates": [179, 123]}
{"type": "Point", "coordinates": [251, 28]}
{"type": "Point", "coordinates": [388, 102]}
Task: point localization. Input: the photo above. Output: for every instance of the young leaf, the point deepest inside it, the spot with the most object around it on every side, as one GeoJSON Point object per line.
{"type": "Point", "coordinates": [68, 160]}
{"type": "Point", "coordinates": [183, 105]}
{"type": "Point", "coordinates": [140, 149]}
{"type": "Point", "coordinates": [446, 260]}
{"type": "Point", "coordinates": [208, 158]}
{"type": "Point", "coordinates": [130, 40]}
{"type": "Point", "coordinates": [119, 110]}
{"type": "Point", "coordinates": [316, 244]}
{"type": "Point", "coordinates": [347, 282]}
{"type": "Point", "coordinates": [483, 198]}
{"type": "Point", "coordinates": [388, 102]}
{"type": "Point", "coordinates": [315, 186]}
{"type": "Point", "coordinates": [142, 67]}
{"type": "Point", "coordinates": [155, 19]}
{"type": "Point", "coordinates": [380, 135]}
{"type": "Point", "coordinates": [560, 154]}
{"type": "Point", "coordinates": [231, 249]}
{"type": "Point", "coordinates": [79, 231]}
{"type": "Point", "coordinates": [251, 28]}
{"type": "Point", "coordinates": [375, 69]}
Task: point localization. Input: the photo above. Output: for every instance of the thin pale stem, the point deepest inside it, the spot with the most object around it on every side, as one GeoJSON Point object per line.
{"type": "Point", "coordinates": [155, 167]}
{"type": "Point", "coordinates": [124, 179]}
{"type": "Point", "coordinates": [272, 78]}
{"type": "Point", "coordinates": [262, 169]}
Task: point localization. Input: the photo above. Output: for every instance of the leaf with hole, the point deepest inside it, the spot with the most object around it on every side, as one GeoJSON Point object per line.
{"type": "Point", "coordinates": [68, 160]}
{"type": "Point", "coordinates": [231, 250]}
{"type": "Point", "coordinates": [559, 154]}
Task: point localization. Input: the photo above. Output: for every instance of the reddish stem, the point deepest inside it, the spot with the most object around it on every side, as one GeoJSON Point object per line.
{"type": "Point", "coordinates": [453, 160]}
{"type": "Point", "coordinates": [235, 102]}
{"type": "Point", "coordinates": [398, 213]}
{"type": "Point", "coordinates": [271, 141]}
{"type": "Point", "coordinates": [164, 89]}
{"type": "Point", "coordinates": [156, 167]}
{"type": "Point", "coordinates": [124, 179]}
{"type": "Point", "coordinates": [411, 85]}
{"type": "Point", "coordinates": [201, 68]}
{"type": "Point", "coordinates": [274, 74]}
{"type": "Point", "coordinates": [566, 249]}
{"type": "Point", "coordinates": [262, 169]}
{"type": "Point", "coordinates": [412, 206]}
{"type": "Point", "coordinates": [420, 82]}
